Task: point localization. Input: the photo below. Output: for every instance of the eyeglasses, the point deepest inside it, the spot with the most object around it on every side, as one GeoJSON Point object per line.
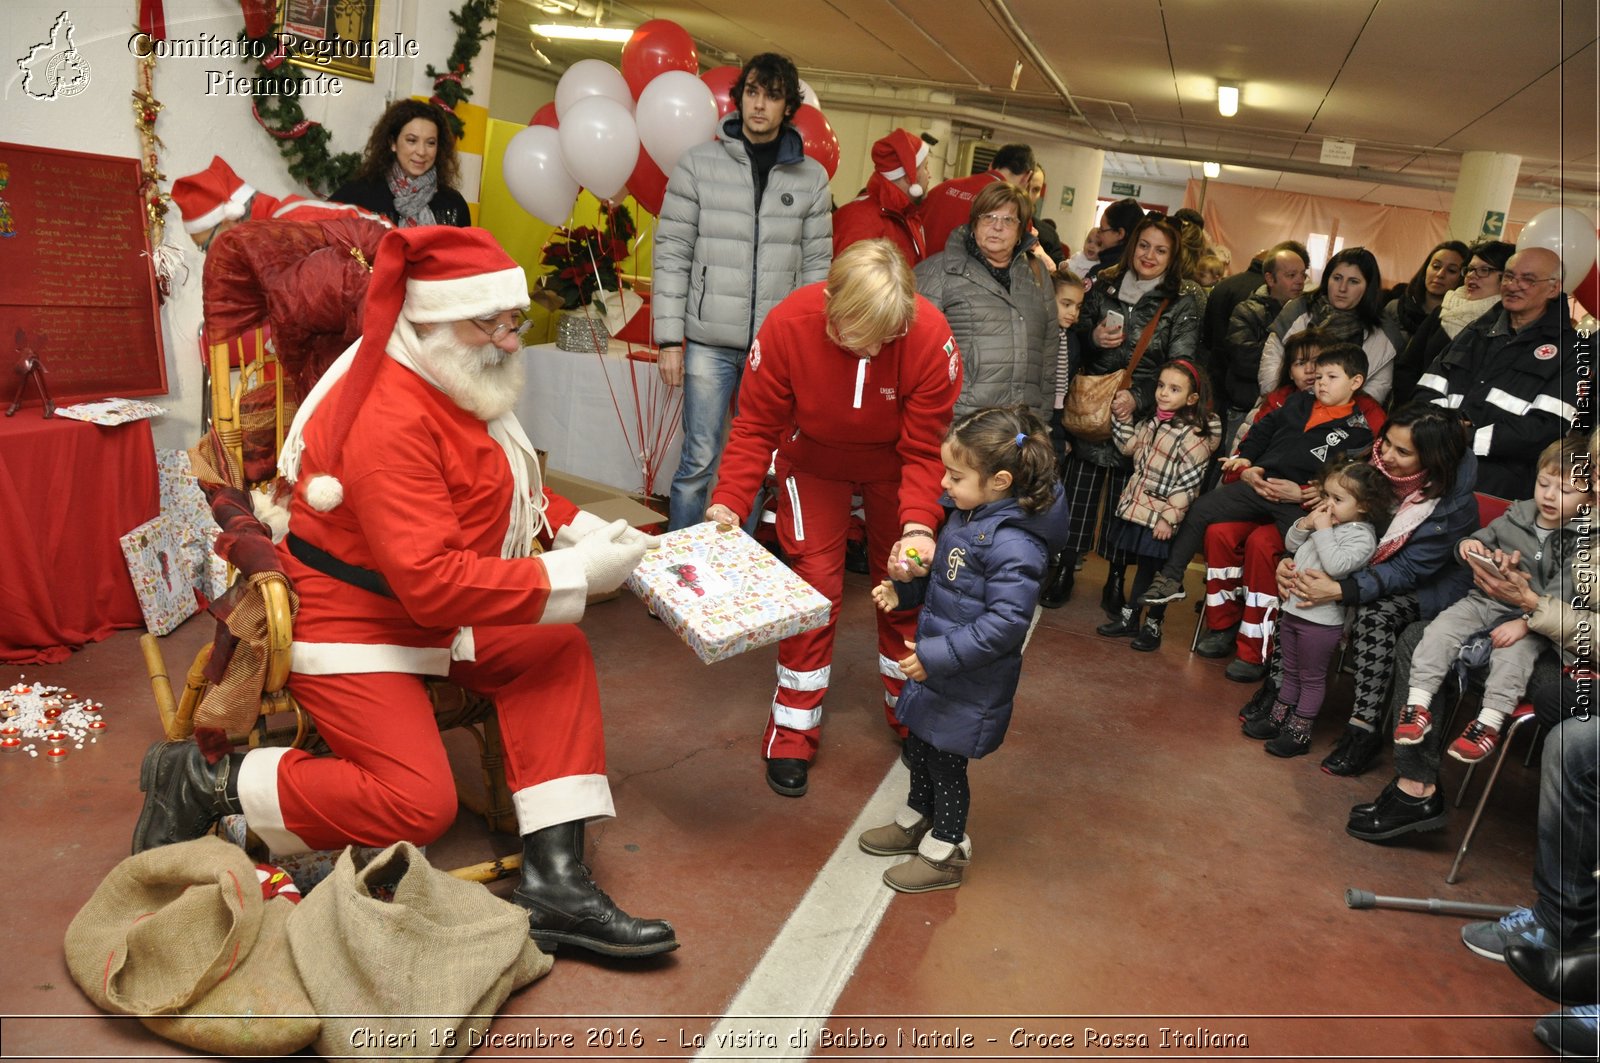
{"type": "Point", "coordinates": [1524, 279]}
{"type": "Point", "coordinates": [494, 330]}
{"type": "Point", "coordinates": [1480, 272]}
{"type": "Point", "coordinates": [1000, 221]}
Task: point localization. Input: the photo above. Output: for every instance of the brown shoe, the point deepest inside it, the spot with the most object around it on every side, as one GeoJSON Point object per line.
{"type": "Point", "coordinates": [897, 838]}
{"type": "Point", "coordinates": [938, 865]}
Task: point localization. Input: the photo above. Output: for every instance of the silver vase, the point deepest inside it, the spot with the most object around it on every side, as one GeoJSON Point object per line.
{"type": "Point", "coordinates": [581, 332]}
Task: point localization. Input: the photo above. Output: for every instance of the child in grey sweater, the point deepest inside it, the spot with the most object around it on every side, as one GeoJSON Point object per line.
{"type": "Point", "coordinates": [1543, 536]}
{"type": "Point", "coordinates": [1337, 537]}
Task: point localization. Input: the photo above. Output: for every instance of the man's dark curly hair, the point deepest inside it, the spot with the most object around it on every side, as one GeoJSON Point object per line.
{"type": "Point", "coordinates": [775, 73]}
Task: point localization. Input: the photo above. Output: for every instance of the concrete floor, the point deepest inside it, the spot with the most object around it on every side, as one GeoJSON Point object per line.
{"type": "Point", "coordinates": [1138, 866]}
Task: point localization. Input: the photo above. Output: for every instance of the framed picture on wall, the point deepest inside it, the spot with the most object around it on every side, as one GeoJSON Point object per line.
{"type": "Point", "coordinates": [331, 36]}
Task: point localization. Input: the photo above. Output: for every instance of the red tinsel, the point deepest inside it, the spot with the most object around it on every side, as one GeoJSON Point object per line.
{"type": "Point", "coordinates": [297, 131]}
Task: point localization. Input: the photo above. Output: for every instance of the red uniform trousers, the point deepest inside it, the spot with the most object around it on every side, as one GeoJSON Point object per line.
{"type": "Point", "coordinates": [813, 517]}
{"type": "Point", "coordinates": [1242, 584]}
{"type": "Point", "coordinates": [389, 778]}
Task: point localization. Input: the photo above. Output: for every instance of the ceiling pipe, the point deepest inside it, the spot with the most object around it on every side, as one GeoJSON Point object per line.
{"type": "Point", "coordinates": [1013, 30]}
{"type": "Point", "coordinates": [1159, 149]}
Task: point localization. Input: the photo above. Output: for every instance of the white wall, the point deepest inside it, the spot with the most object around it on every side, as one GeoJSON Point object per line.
{"type": "Point", "coordinates": [1149, 191]}
{"type": "Point", "coordinates": [194, 126]}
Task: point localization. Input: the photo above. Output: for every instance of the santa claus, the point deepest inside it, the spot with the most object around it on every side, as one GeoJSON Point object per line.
{"type": "Point", "coordinates": [412, 530]}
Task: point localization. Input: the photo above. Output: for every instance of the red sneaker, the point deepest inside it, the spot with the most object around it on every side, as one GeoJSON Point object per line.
{"type": "Point", "coordinates": [1475, 743]}
{"type": "Point", "coordinates": [1413, 725]}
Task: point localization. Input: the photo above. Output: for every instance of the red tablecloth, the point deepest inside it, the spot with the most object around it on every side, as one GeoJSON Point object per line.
{"type": "Point", "coordinates": [68, 491]}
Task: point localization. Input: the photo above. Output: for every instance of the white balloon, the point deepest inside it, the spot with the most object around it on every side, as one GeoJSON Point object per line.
{"type": "Point", "coordinates": [809, 95]}
{"type": "Point", "coordinates": [536, 177]}
{"type": "Point", "coordinates": [676, 112]}
{"type": "Point", "coordinates": [591, 77]}
{"type": "Point", "coordinates": [599, 144]}
{"type": "Point", "coordinates": [1569, 233]}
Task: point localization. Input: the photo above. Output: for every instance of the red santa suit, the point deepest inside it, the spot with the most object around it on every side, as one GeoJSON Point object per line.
{"type": "Point", "coordinates": [881, 211]}
{"type": "Point", "coordinates": [949, 206]}
{"type": "Point", "coordinates": [424, 498]}
{"type": "Point", "coordinates": [840, 424]}
{"type": "Point", "coordinates": [884, 210]}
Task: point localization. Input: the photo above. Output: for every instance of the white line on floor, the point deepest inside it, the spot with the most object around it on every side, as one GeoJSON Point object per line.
{"type": "Point", "coordinates": [793, 988]}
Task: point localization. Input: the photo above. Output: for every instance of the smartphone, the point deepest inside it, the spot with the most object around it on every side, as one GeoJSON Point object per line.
{"type": "Point", "coordinates": [1113, 319]}
{"type": "Point", "coordinates": [1484, 561]}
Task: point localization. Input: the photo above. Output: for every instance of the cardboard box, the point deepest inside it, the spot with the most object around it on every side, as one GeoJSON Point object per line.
{"type": "Point", "coordinates": [602, 500]}
{"type": "Point", "coordinates": [723, 593]}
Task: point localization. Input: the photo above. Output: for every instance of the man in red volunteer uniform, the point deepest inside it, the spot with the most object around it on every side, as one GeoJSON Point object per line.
{"type": "Point", "coordinates": [886, 208]}
{"type": "Point", "coordinates": [411, 544]}
{"type": "Point", "coordinates": [852, 381]}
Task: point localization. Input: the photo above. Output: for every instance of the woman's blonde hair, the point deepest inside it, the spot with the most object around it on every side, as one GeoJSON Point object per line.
{"type": "Point", "coordinates": [871, 295]}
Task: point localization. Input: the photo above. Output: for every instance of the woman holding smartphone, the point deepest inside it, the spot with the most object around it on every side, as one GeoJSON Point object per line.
{"type": "Point", "coordinates": [1143, 292]}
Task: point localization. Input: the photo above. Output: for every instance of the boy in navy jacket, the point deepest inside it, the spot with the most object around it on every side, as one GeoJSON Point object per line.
{"type": "Point", "coordinates": [1285, 450]}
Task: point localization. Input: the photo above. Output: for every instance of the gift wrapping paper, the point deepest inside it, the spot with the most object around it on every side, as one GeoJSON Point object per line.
{"type": "Point", "coordinates": [163, 573]}
{"type": "Point", "coordinates": [723, 593]}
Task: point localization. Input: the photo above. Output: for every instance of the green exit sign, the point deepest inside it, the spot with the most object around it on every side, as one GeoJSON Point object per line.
{"type": "Point", "coordinates": [1124, 188]}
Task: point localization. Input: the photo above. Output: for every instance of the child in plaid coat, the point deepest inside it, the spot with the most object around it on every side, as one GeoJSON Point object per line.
{"type": "Point", "coordinates": [1170, 451]}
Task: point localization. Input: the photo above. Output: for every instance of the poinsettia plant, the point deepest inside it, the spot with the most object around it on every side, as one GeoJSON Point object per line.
{"type": "Point", "coordinates": [584, 259]}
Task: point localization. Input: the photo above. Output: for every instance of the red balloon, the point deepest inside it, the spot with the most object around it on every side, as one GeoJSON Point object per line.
{"type": "Point", "coordinates": [1588, 291]}
{"type": "Point", "coordinates": [546, 115]}
{"type": "Point", "coordinates": [648, 184]}
{"type": "Point", "coordinates": [822, 143]}
{"type": "Point", "coordinates": [720, 80]}
{"type": "Point", "coordinates": [656, 47]}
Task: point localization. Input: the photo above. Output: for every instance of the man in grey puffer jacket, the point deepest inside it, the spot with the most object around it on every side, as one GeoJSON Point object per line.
{"type": "Point", "coordinates": [745, 221]}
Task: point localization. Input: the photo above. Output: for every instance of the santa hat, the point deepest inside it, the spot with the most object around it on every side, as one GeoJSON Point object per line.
{"type": "Point", "coordinates": [899, 155]}
{"type": "Point", "coordinates": [433, 274]}
{"type": "Point", "coordinates": [210, 197]}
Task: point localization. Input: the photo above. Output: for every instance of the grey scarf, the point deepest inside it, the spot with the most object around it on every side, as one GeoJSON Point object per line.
{"type": "Point", "coordinates": [413, 194]}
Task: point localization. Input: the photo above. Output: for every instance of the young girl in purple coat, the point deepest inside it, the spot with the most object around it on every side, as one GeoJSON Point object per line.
{"type": "Point", "coordinates": [1005, 517]}
{"type": "Point", "coordinates": [1338, 537]}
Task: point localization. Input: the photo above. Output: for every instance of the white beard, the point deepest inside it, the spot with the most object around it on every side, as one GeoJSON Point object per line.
{"type": "Point", "coordinates": [481, 378]}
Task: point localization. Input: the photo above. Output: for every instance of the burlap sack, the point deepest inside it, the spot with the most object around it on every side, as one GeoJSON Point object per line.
{"type": "Point", "coordinates": [440, 956]}
{"type": "Point", "coordinates": [180, 936]}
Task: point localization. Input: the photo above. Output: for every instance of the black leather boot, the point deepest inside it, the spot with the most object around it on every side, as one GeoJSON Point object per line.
{"type": "Point", "coordinates": [1056, 590]}
{"type": "Point", "coordinates": [565, 907]}
{"type": "Point", "coordinates": [183, 795]}
{"type": "Point", "coordinates": [1569, 976]}
{"type": "Point", "coordinates": [1111, 599]}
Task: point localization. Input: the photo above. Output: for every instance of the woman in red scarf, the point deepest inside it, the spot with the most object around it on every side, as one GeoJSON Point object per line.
{"type": "Point", "coordinates": [1423, 452]}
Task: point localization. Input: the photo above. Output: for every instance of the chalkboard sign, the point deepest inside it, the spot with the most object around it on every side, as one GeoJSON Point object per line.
{"type": "Point", "coordinates": [76, 275]}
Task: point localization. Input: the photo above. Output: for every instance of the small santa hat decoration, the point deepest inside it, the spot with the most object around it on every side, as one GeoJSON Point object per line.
{"type": "Point", "coordinates": [899, 155]}
{"type": "Point", "coordinates": [210, 197]}
{"type": "Point", "coordinates": [434, 273]}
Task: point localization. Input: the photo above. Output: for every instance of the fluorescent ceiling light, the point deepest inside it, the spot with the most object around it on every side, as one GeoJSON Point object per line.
{"type": "Point", "coordinates": [1211, 169]}
{"type": "Point", "coordinates": [556, 31]}
{"type": "Point", "coordinates": [1227, 100]}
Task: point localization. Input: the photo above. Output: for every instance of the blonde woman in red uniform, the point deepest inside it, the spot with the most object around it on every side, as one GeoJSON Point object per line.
{"type": "Point", "coordinates": [852, 382]}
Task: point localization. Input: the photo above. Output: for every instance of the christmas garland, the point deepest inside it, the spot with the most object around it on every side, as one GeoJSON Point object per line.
{"type": "Point", "coordinates": [304, 143]}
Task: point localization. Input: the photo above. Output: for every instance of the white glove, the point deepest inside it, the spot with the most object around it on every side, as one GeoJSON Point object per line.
{"type": "Point", "coordinates": [585, 524]}
{"type": "Point", "coordinates": [633, 536]}
{"type": "Point", "coordinates": [609, 555]}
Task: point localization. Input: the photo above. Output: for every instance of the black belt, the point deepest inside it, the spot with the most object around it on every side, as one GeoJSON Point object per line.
{"type": "Point", "coordinates": [324, 562]}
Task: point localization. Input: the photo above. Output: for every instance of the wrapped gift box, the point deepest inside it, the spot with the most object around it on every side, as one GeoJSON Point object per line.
{"type": "Point", "coordinates": [723, 593]}
{"type": "Point", "coordinates": [163, 573]}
